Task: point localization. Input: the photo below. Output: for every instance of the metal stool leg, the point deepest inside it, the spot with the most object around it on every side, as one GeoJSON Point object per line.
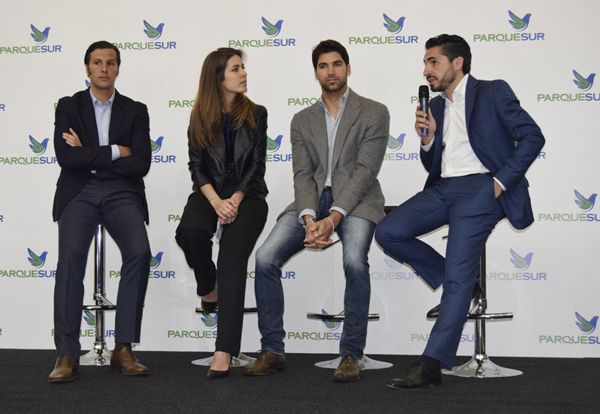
{"type": "Point", "coordinates": [480, 365]}
{"type": "Point", "coordinates": [240, 361]}
{"type": "Point", "coordinates": [365, 362]}
{"type": "Point", "coordinates": [99, 355]}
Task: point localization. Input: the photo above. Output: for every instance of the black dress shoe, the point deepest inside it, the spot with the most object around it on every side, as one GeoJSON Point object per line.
{"type": "Point", "coordinates": [435, 311]}
{"type": "Point", "coordinates": [416, 377]}
{"type": "Point", "coordinates": [208, 307]}
{"type": "Point", "coordinates": [214, 374]}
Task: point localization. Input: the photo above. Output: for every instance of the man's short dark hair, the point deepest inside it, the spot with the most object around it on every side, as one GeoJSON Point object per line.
{"type": "Point", "coordinates": [328, 46]}
{"type": "Point", "coordinates": [452, 46]}
{"type": "Point", "coordinates": [102, 44]}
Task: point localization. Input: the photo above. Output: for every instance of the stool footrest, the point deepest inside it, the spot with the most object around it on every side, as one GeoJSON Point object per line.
{"type": "Point", "coordinates": [246, 310]}
{"type": "Point", "coordinates": [99, 307]}
{"type": "Point", "coordinates": [337, 318]}
{"type": "Point", "coordinates": [490, 316]}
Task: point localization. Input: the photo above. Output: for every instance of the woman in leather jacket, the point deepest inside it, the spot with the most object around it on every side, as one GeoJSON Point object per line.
{"type": "Point", "coordinates": [227, 139]}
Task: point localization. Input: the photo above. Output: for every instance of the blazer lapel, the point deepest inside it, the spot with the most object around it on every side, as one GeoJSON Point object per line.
{"type": "Point", "coordinates": [351, 111]}
{"type": "Point", "coordinates": [88, 117]}
{"type": "Point", "coordinates": [438, 114]}
{"type": "Point", "coordinates": [319, 133]}
{"type": "Point", "coordinates": [471, 91]}
{"type": "Point", "coordinates": [116, 117]}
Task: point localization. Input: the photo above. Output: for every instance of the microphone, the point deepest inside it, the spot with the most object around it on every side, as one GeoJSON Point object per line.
{"type": "Point", "coordinates": [424, 102]}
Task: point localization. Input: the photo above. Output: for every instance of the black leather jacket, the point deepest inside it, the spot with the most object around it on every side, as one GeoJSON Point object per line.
{"type": "Point", "coordinates": [250, 152]}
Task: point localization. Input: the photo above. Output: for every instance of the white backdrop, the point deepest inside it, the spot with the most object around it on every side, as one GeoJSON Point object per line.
{"type": "Point", "coordinates": [548, 277]}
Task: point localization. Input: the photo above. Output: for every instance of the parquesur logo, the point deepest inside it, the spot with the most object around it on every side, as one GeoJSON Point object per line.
{"type": "Point", "coordinates": [38, 147]}
{"type": "Point", "coordinates": [391, 26]}
{"type": "Point", "coordinates": [519, 24]}
{"type": "Point", "coordinates": [153, 32]}
{"type": "Point", "coordinates": [271, 31]}
{"type": "Point", "coordinates": [585, 205]}
{"type": "Point", "coordinates": [580, 89]}
{"type": "Point", "coordinates": [39, 38]}
{"type": "Point", "coordinates": [37, 262]}
{"type": "Point", "coordinates": [586, 326]}
{"type": "Point", "coordinates": [522, 269]}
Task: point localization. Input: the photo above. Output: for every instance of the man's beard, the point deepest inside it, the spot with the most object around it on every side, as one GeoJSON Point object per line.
{"type": "Point", "coordinates": [444, 82]}
{"type": "Point", "coordinates": [336, 87]}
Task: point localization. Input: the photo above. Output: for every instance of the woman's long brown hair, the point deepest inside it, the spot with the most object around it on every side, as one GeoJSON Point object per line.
{"type": "Point", "coordinates": [208, 109]}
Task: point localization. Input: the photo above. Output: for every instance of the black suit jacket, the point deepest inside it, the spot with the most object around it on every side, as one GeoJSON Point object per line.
{"type": "Point", "coordinates": [129, 126]}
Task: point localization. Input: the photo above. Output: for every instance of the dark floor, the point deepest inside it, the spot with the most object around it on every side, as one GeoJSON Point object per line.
{"type": "Point", "coordinates": [176, 386]}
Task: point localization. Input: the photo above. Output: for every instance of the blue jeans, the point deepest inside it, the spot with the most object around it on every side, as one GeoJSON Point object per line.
{"type": "Point", "coordinates": [284, 241]}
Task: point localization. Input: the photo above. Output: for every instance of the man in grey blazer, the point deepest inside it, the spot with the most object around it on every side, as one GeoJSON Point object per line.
{"type": "Point", "coordinates": [338, 146]}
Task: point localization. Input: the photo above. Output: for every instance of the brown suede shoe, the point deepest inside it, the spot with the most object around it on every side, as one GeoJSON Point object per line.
{"type": "Point", "coordinates": [66, 369]}
{"type": "Point", "coordinates": [122, 359]}
{"type": "Point", "coordinates": [266, 363]}
{"type": "Point", "coordinates": [347, 371]}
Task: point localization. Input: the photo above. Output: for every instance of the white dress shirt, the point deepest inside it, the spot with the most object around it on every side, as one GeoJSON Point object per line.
{"type": "Point", "coordinates": [458, 157]}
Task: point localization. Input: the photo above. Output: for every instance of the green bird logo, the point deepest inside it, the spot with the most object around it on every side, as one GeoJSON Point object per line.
{"type": "Point", "coordinates": [271, 29]}
{"type": "Point", "coordinates": [518, 23]}
{"type": "Point", "coordinates": [153, 33]}
{"type": "Point", "coordinates": [35, 260]}
{"type": "Point", "coordinates": [37, 147]}
{"type": "Point", "coordinates": [38, 36]}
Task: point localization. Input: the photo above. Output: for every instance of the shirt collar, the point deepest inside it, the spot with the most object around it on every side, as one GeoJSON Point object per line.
{"type": "Point", "coordinates": [96, 101]}
{"type": "Point", "coordinates": [460, 90]}
{"type": "Point", "coordinates": [342, 99]}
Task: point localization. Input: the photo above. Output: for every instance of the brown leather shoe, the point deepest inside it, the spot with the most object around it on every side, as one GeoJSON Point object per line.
{"type": "Point", "coordinates": [122, 359]}
{"type": "Point", "coordinates": [347, 371]}
{"type": "Point", "coordinates": [266, 363]}
{"type": "Point", "coordinates": [66, 369]}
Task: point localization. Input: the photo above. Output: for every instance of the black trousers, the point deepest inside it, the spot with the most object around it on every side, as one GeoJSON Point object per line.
{"type": "Point", "coordinates": [114, 204]}
{"type": "Point", "coordinates": [194, 234]}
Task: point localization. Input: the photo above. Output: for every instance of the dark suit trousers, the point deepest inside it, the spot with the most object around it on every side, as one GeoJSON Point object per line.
{"type": "Point", "coordinates": [468, 205]}
{"type": "Point", "coordinates": [194, 234]}
{"type": "Point", "coordinates": [114, 204]}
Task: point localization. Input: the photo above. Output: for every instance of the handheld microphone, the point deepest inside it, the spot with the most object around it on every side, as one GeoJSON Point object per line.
{"type": "Point", "coordinates": [424, 102]}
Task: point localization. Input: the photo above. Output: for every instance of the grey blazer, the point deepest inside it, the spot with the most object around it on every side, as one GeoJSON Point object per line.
{"type": "Point", "coordinates": [358, 152]}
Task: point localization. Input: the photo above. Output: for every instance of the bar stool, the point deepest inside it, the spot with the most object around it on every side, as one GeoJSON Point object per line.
{"type": "Point", "coordinates": [240, 361]}
{"type": "Point", "coordinates": [480, 365]}
{"type": "Point", "coordinates": [99, 355]}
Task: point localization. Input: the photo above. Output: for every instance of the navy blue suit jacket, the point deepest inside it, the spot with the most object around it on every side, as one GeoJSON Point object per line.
{"type": "Point", "coordinates": [129, 126]}
{"type": "Point", "coordinates": [503, 136]}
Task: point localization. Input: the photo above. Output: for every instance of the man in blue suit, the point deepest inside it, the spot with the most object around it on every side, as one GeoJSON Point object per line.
{"type": "Point", "coordinates": [102, 143]}
{"type": "Point", "coordinates": [478, 146]}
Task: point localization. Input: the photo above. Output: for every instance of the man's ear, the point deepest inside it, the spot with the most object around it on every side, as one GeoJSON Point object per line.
{"type": "Point", "coordinates": [457, 63]}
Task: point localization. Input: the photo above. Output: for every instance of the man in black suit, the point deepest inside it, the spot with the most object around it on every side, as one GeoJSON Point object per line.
{"type": "Point", "coordinates": [102, 143]}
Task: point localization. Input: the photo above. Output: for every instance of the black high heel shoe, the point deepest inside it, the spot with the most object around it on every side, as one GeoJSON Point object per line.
{"type": "Point", "coordinates": [214, 374]}
{"type": "Point", "coordinates": [209, 307]}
